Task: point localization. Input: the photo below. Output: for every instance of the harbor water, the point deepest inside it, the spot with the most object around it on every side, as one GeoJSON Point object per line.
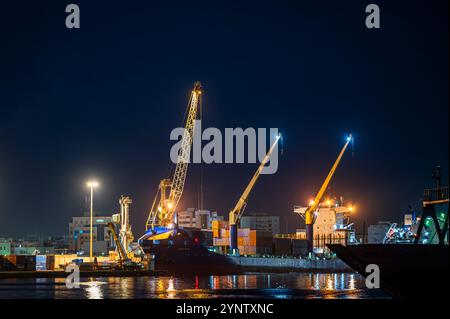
{"type": "Point", "coordinates": [259, 285]}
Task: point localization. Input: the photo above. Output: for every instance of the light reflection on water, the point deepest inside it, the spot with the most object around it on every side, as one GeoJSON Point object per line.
{"type": "Point", "coordinates": [93, 290]}
{"type": "Point", "coordinates": [263, 285]}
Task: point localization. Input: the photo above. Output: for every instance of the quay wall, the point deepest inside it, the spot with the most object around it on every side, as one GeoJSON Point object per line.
{"type": "Point", "coordinates": [295, 264]}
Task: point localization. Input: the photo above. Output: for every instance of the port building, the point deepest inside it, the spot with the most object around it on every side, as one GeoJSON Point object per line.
{"type": "Point", "coordinates": [79, 234]}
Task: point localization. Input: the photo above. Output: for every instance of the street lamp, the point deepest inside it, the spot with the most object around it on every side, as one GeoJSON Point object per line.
{"type": "Point", "coordinates": [91, 185]}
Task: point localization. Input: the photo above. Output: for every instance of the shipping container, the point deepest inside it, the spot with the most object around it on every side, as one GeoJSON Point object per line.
{"type": "Point", "coordinates": [20, 262]}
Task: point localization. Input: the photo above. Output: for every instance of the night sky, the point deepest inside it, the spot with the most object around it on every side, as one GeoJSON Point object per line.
{"type": "Point", "coordinates": [102, 100]}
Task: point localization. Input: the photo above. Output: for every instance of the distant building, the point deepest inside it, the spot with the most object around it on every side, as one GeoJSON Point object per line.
{"type": "Point", "coordinates": [377, 232]}
{"type": "Point", "coordinates": [261, 221]}
{"type": "Point", "coordinates": [19, 250]}
{"type": "Point", "coordinates": [201, 219]}
{"type": "Point", "coordinates": [79, 234]}
{"type": "Point", "coordinates": [59, 243]}
{"type": "Point", "coordinates": [5, 248]}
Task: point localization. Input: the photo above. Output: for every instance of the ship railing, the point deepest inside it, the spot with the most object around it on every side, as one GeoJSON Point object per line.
{"type": "Point", "coordinates": [435, 195]}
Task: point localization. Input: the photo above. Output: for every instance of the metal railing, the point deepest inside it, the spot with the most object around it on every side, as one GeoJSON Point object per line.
{"type": "Point", "coordinates": [435, 195]}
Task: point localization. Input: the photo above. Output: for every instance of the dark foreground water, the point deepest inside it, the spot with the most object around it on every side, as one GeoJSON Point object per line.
{"type": "Point", "coordinates": [260, 285]}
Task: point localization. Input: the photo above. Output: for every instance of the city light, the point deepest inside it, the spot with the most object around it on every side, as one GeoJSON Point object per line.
{"type": "Point", "coordinates": [92, 184]}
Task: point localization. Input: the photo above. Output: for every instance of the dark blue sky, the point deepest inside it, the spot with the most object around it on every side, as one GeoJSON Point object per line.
{"type": "Point", "coordinates": [101, 101]}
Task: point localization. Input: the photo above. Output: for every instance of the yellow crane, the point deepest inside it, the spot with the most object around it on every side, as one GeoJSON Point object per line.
{"type": "Point", "coordinates": [120, 249]}
{"type": "Point", "coordinates": [236, 213]}
{"type": "Point", "coordinates": [170, 190]}
{"type": "Point", "coordinates": [310, 212]}
{"type": "Point", "coordinates": [125, 262]}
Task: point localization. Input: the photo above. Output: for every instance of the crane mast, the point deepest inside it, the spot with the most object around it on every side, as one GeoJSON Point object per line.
{"type": "Point", "coordinates": [309, 214]}
{"type": "Point", "coordinates": [170, 191]}
{"type": "Point", "coordinates": [236, 213]}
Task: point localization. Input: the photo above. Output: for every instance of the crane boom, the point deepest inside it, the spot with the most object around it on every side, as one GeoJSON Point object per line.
{"type": "Point", "coordinates": [164, 204]}
{"type": "Point", "coordinates": [325, 184]}
{"type": "Point", "coordinates": [236, 213]}
{"type": "Point", "coordinates": [179, 176]}
{"type": "Point", "coordinates": [121, 250]}
{"type": "Point", "coordinates": [309, 212]}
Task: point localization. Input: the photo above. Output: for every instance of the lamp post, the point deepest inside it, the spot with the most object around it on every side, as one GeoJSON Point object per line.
{"type": "Point", "coordinates": [91, 185]}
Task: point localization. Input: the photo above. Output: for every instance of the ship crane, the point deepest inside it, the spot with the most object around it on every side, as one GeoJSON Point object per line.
{"type": "Point", "coordinates": [123, 220]}
{"type": "Point", "coordinates": [161, 216]}
{"type": "Point", "coordinates": [236, 213]}
{"type": "Point", "coordinates": [309, 214]}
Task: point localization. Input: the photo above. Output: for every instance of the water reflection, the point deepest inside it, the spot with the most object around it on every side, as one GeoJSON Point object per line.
{"type": "Point", "coordinates": [94, 290]}
{"type": "Point", "coordinates": [266, 285]}
{"type": "Point", "coordinates": [170, 289]}
{"type": "Point", "coordinates": [352, 282]}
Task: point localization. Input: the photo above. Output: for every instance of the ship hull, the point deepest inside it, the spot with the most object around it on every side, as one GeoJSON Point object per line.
{"type": "Point", "coordinates": [186, 252]}
{"type": "Point", "coordinates": [191, 260]}
{"type": "Point", "coordinates": [406, 271]}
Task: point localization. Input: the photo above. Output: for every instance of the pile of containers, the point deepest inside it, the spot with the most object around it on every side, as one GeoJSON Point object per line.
{"type": "Point", "coordinates": [250, 241]}
{"type": "Point", "coordinates": [18, 262]}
